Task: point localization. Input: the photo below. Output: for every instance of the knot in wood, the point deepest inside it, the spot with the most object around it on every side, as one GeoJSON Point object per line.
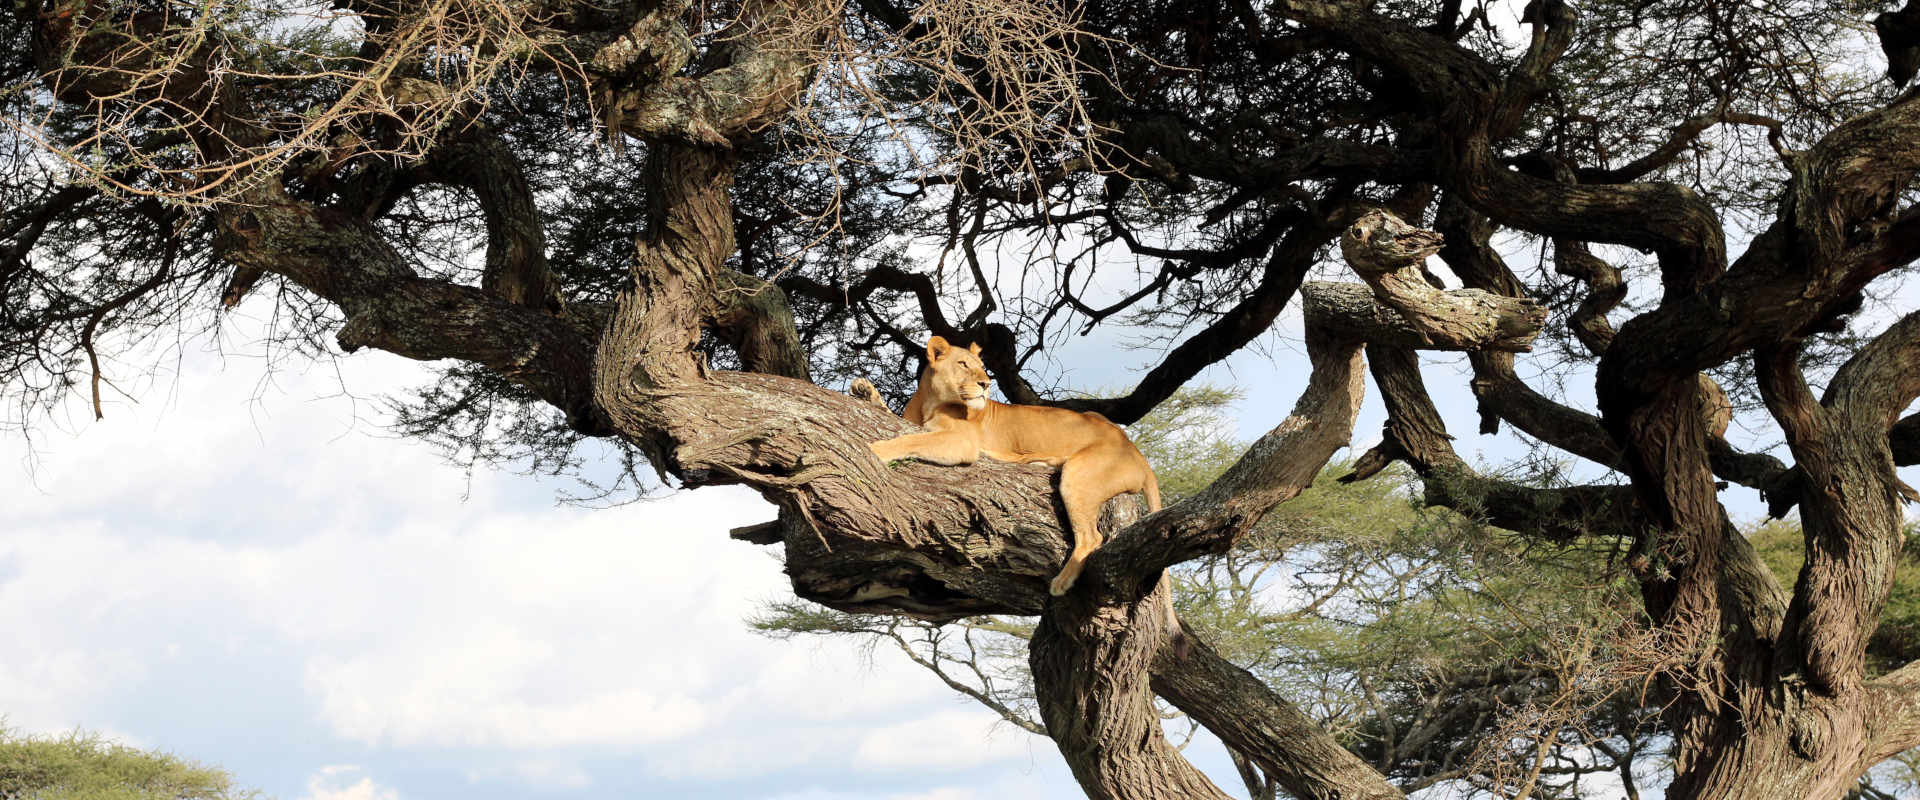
{"type": "Point", "coordinates": [1810, 732]}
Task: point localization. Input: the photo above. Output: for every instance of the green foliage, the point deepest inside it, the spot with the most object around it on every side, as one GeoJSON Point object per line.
{"type": "Point", "coordinates": [82, 766]}
{"type": "Point", "coordinates": [1410, 633]}
{"type": "Point", "coordinates": [1188, 439]}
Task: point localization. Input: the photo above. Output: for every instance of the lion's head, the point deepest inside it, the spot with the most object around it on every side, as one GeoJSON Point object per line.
{"type": "Point", "coordinates": [954, 375]}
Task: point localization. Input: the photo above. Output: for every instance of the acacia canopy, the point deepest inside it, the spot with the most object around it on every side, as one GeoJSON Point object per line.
{"type": "Point", "coordinates": [663, 223]}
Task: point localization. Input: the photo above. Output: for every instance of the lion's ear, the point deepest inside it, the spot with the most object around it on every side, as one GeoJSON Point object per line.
{"type": "Point", "coordinates": [974, 348]}
{"type": "Point", "coordinates": [937, 348]}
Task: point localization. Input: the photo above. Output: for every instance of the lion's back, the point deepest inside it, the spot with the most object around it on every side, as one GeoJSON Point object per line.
{"type": "Point", "coordinates": [1044, 432]}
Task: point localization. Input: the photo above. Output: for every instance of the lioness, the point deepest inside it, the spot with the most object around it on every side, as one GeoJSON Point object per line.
{"type": "Point", "coordinates": [1096, 459]}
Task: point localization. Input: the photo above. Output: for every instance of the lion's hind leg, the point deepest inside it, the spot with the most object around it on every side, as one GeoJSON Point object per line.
{"type": "Point", "coordinates": [1088, 480]}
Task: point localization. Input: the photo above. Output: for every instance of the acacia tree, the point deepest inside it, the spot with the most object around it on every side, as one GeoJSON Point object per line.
{"type": "Point", "coordinates": [676, 293]}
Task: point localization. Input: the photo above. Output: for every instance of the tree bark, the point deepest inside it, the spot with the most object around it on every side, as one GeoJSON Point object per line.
{"type": "Point", "coordinates": [1293, 750]}
{"type": "Point", "coordinates": [1090, 663]}
{"type": "Point", "coordinates": [516, 267]}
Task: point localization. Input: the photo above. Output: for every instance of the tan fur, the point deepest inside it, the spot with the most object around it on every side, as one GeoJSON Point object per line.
{"type": "Point", "coordinates": [1097, 461]}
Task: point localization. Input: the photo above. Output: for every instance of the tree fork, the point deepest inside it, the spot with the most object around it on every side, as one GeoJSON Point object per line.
{"type": "Point", "coordinates": [1090, 664]}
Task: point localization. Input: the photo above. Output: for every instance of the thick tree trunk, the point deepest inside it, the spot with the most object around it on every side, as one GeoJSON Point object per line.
{"type": "Point", "coordinates": [1773, 748]}
{"type": "Point", "coordinates": [1090, 665]}
{"type": "Point", "coordinates": [1799, 724]}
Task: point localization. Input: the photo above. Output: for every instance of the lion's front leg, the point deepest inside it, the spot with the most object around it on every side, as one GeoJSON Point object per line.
{"type": "Point", "coordinates": [949, 447]}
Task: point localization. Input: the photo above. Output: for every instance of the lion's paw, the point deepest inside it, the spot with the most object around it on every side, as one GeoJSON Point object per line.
{"type": "Point", "coordinates": [863, 389]}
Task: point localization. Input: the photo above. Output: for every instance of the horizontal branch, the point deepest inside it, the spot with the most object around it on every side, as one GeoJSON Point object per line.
{"type": "Point", "coordinates": [928, 541]}
{"type": "Point", "coordinates": [344, 260]}
{"type": "Point", "coordinates": [1459, 320]}
{"type": "Point", "coordinates": [1391, 255]}
{"type": "Point", "coordinates": [1893, 707]}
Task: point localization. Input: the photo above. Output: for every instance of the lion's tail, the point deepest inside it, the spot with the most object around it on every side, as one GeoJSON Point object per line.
{"type": "Point", "coordinates": [1182, 644]}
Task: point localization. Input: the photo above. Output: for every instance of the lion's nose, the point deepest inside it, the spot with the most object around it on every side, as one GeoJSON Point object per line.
{"type": "Point", "coordinates": [983, 386]}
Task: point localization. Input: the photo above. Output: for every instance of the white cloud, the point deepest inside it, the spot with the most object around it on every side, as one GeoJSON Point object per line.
{"type": "Point", "coordinates": [817, 794]}
{"type": "Point", "coordinates": [831, 708]}
{"type": "Point", "coordinates": [80, 610]}
{"type": "Point", "coordinates": [546, 774]}
{"type": "Point", "coordinates": [582, 634]}
{"type": "Point", "coordinates": [586, 633]}
{"type": "Point", "coordinates": [1011, 785]}
{"type": "Point", "coordinates": [560, 629]}
{"type": "Point", "coordinates": [949, 740]}
{"type": "Point", "coordinates": [338, 783]}
{"type": "Point", "coordinates": [942, 793]}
